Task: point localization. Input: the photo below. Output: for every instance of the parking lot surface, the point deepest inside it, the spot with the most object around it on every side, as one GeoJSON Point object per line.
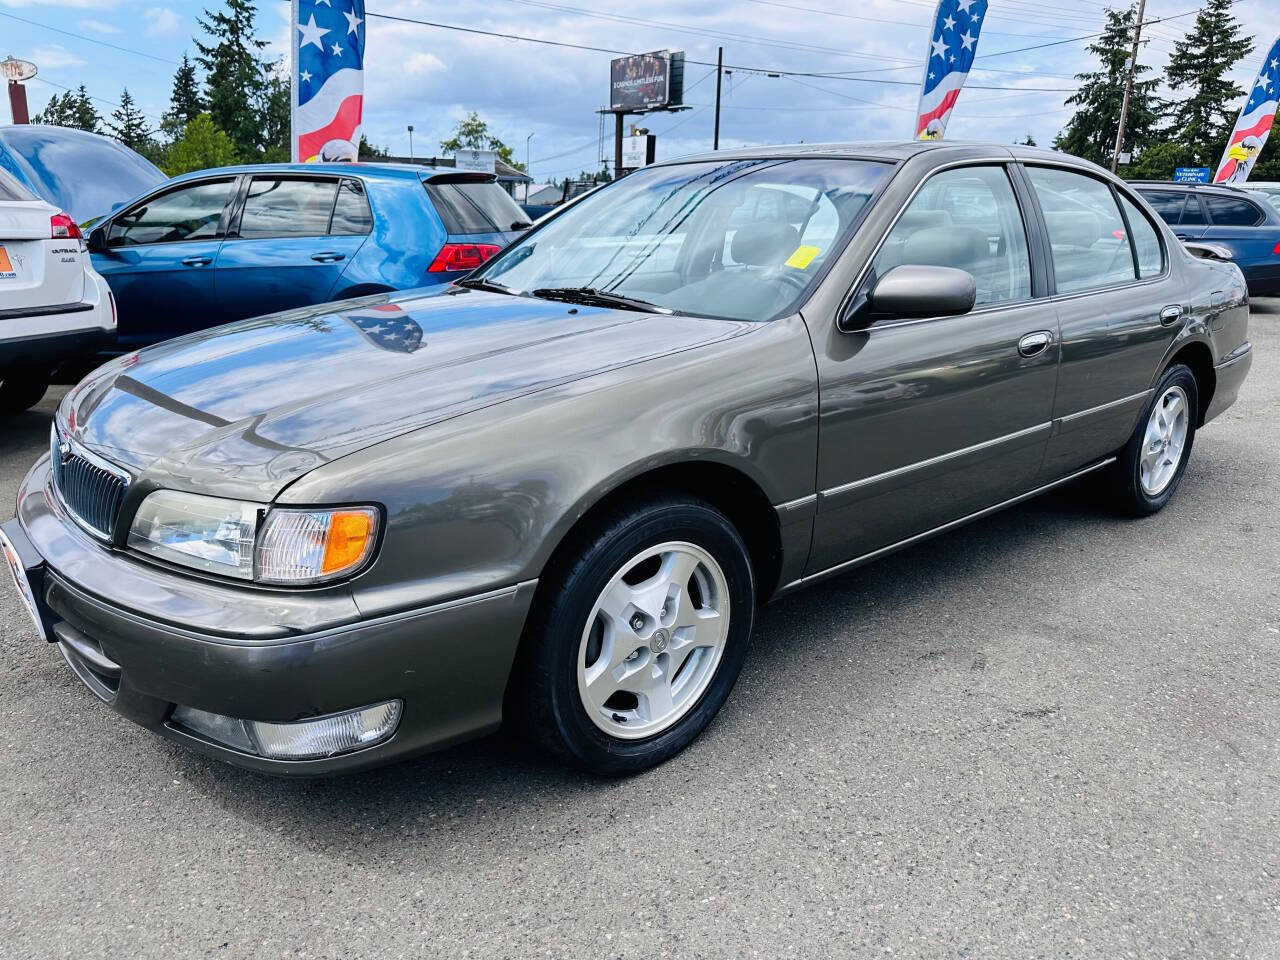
{"type": "Point", "coordinates": [1053, 733]}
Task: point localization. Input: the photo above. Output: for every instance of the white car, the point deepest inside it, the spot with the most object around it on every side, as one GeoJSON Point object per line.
{"type": "Point", "coordinates": [53, 305]}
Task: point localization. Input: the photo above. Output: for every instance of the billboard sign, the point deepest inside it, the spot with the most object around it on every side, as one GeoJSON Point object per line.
{"type": "Point", "coordinates": [1191, 175]}
{"type": "Point", "coordinates": [13, 69]}
{"type": "Point", "coordinates": [475, 161]}
{"type": "Point", "coordinates": [646, 81]}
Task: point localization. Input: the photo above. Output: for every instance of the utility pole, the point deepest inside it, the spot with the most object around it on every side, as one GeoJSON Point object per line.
{"type": "Point", "coordinates": [719, 71]}
{"type": "Point", "coordinates": [527, 165]}
{"type": "Point", "coordinates": [1128, 87]}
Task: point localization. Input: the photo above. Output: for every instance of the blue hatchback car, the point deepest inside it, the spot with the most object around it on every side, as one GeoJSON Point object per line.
{"type": "Point", "coordinates": [219, 245]}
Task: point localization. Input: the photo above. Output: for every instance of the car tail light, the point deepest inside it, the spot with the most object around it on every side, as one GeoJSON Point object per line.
{"type": "Point", "coordinates": [456, 257]}
{"type": "Point", "coordinates": [1276, 249]}
{"type": "Point", "coordinates": [62, 227]}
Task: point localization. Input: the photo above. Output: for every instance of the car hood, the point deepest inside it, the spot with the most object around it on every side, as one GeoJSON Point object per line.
{"type": "Point", "coordinates": [245, 409]}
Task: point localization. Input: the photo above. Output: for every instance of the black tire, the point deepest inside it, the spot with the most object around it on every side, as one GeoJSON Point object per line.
{"type": "Point", "coordinates": [545, 687]}
{"type": "Point", "coordinates": [1125, 489]}
{"type": "Point", "coordinates": [22, 392]}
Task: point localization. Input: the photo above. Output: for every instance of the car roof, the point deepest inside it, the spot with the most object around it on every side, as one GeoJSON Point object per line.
{"type": "Point", "coordinates": [364, 171]}
{"type": "Point", "coordinates": [893, 151]}
{"type": "Point", "coordinates": [1190, 187]}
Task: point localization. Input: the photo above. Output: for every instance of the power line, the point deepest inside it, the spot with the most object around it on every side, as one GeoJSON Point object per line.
{"type": "Point", "coordinates": [87, 39]}
{"type": "Point", "coordinates": [112, 103]}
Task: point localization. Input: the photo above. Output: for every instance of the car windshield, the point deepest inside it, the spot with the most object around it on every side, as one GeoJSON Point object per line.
{"type": "Point", "coordinates": [741, 239]}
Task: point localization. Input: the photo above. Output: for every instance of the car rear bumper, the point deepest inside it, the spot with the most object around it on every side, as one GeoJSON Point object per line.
{"type": "Point", "coordinates": [1228, 376]}
{"type": "Point", "coordinates": [449, 662]}
{"type": "Point", "coordinates": [46, 336]}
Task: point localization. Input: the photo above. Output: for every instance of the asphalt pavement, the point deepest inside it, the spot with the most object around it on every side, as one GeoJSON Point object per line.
{"type": "Point", "coordinates": [1052, 733]}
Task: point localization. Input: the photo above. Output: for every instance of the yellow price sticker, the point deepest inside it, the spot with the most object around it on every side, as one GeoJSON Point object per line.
{"type": "Point", "coordinates": [802, 257]}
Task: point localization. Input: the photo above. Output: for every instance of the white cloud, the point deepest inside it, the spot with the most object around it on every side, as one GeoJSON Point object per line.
{"type": "Point", "coordinates": [53, 56]}
{"type": "Point", "coordinates": [161, 21]}
{"type": "Point", "coordinates": [97, 26]}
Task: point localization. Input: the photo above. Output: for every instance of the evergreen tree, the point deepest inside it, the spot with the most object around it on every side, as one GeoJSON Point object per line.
{"type": "Point", "coordinates": [202, 146]}
{"type": "Point", "coordinates": [184, 103]}
{"type": "Point", "coordinates": [60, 111]}
{"type": "Point", "coordinates": [368, 149]}
{"type": "Point", "coordinates": [236, 80]}
{"type": "Point", "coordinates": [1091, 131]}
{"type": "Point", "coordinates": [1207, 103]}
{"type": "Point", "coordinates": [275, 115]}
{"type": "Point", "coordinates": [128, 125]}
{"type": "Point", "coordinates": [472, 133]}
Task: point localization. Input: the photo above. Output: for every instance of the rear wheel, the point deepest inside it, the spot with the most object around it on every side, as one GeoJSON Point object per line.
{"type": "Point", "coordinates": [20, 392]}
{"type": "Point", "coordinates": [640, 638]}
{"type": "Point", "coordinates": [1150, 467]}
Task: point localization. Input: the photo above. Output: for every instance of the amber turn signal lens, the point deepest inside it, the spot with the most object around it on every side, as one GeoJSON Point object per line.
{"type": "Point", "coordinates": [349, 534]}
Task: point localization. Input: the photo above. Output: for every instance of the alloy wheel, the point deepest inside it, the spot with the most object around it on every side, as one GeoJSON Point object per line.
{"type": "Point", "coordinates": [1164, 441]}
{"type": "Point", "coordinates": [653, 640]}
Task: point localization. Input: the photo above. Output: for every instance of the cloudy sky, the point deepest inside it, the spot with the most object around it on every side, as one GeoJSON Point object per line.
{"type": "Point", "coordinates": [429, 76]}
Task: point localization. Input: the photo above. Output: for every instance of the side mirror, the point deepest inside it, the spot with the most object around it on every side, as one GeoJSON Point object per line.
{"type": "Point", "coordinates": [97, 240]}
{"type": "Point", "coordinates": [920, 291]}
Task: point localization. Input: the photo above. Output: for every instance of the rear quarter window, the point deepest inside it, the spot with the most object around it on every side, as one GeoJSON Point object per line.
{"type": "Point", "coordinates": [475, 207]}
{"type": "Point", "coordinates": [11, 189]}
{"type": "Point", "coordinates": [1233, 212]}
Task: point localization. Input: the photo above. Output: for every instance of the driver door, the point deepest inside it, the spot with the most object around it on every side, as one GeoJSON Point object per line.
{"type": "Point", "coordinates": [926, 421]}
{"type": "Point", "coordinates": [159, 261]}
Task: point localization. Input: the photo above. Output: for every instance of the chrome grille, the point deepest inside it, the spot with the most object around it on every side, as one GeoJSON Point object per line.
{"type": "Point", "coordinates": [91, 489]}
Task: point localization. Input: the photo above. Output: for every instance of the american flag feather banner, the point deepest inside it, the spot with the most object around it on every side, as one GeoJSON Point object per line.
{"type": "Point", "coordinates": [953, 43]}
{"type": "Point", "coordinates": [328, 79]}
{"type": "Point", "coordinates": [1254, 123]}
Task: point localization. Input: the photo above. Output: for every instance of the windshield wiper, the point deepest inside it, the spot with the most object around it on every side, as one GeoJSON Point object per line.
{"type": "Point", "coordinates": [480, 283]}
{"type": "Point", "coordinates": [600, 298]}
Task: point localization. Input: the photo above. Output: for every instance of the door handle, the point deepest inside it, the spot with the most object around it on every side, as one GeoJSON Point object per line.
{"type": "Point", "coordinates": [1034, 344]}
{"type": "Point", "coordinates": [1170, 314]}
{"type": "Point", "coordinates": [197, 261]}
{"type": "Point", "coordinates": [328, 257]}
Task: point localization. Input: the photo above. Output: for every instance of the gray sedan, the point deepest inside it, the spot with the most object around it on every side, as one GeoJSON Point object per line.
{"type": "Point", "coordinates": [554, 493]}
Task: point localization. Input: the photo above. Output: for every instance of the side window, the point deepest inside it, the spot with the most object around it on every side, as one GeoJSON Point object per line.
{"type": "Point", "coordinates": [1192, 214]}
{"type": "Point", "coordinates": [1232, 212]}
{"type": "Point", "coordinates": [966, 218]}
{"type": "Point", "coordinates": [1146, 240]}
{"type": "Point", "coordinates": [351, 214]}
{"type": "Point", "coordinates": [1167, 205]}
{"type": "Point", "coordinates": [1090, 244]}
{"type": "Point", "coordinates": [287, 208]}
{"type": "Point", "coordinates": [189, 213]}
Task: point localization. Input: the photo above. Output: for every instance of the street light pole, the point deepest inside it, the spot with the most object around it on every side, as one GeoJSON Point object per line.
{"type": "Point", "coordinates": [527, 166]}
{"type": "Point", "coordinates": [411, 143]}
{"type": "Point", "coordinates": [1128, 87]}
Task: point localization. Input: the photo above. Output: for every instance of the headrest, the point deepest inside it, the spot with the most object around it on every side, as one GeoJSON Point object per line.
{"type": "Point", "coordinates": [914, 219]}
{"type": "Point", "coordinates": [764, 244]}
{"type": "Point", "coordinates": [961, 247]}
{"type": "Point", "coordinates": [1076, 228]}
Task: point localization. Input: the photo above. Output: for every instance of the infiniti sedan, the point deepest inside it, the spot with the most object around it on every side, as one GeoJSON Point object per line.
{"type": "Point", "coordinates": [554, 493]}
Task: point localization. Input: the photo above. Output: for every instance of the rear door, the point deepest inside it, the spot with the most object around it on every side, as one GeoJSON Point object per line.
{"type": "Point", "coordinates": [290, 240]}
{"type": "Point", "coordinates": [159, 260]}
{"type": "Point", "coordinates": [1242, 225]}
{"type": "Point", "coordinates": [1119, 306]}
{"type": "Point", "coordinates": [1180, 209]}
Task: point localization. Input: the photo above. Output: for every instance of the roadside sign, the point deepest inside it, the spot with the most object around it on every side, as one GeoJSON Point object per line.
{"type": "Point", "coordinates": [1191, 175]}
{"type": "Point", "coordinates": [637, 151]}
{"type": "Point", "coordinates": [14, 69]}
{"type": "Point", "coordinates": [475, 161]}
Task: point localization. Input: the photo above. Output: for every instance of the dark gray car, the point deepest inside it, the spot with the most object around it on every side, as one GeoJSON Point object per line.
{"type": "Point", "coordinates": [554, 494]}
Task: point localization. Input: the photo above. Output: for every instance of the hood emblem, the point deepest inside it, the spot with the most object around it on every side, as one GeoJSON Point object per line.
{"type": "Point", "coordinates": [64, 450]}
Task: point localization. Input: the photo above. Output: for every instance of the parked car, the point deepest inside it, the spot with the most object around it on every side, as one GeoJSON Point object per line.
{"type": "Point", "coordinates": [53, 305]}
{"type": "Point", "coordinates": [84, 174]}
{"type": "Point", "coordinates": [1270, 189]}
{"type": "Point", "coordinates": [554, 492]}
{"type": "Point", "coordinates": [1245, 224]}
{"type": "Point", "coordinates": [221, 245]}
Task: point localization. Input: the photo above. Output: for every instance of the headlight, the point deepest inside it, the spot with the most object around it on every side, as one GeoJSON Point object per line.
{"type": "Point", "coordinates": [289, 546]}
{"type": "Point", "coordinates": [207, 533]}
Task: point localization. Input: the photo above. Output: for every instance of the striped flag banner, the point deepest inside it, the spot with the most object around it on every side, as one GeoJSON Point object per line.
{"type": "Point", "coordinates": [1254, 124]}
{"type": "Point", "coordinates": [328, 80]}
{"type": "Point", "coordinates": [953, 43]}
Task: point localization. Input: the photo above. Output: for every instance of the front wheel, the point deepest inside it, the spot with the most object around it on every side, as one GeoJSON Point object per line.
{"type": "Point", "coordinates": [1150, 467]}
{"type": "Point", "coordinates": [641, 636]}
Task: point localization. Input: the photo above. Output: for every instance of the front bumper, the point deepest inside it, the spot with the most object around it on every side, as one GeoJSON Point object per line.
{"type": "Point", "coordinates": [448, 663]}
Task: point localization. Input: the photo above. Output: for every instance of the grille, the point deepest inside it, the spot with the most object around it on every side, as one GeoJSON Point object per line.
{"type": "Point", "coordinates": [90, 489]}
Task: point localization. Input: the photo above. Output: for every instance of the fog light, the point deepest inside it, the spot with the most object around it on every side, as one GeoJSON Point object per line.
{"type": "Point", "coordinates": [302, 740]}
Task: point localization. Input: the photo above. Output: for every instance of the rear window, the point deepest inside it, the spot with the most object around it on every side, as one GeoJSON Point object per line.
{"type": "Point", "coordinates": [11, 189]}
{"type": "Point", "coordinates": [287, 208]}
{"type": "Point", "coordinates": [475, 207]}
{"type": "Point", "coordinates": [1167, 205]}
{"type": "Point", "coordinates": [1232, 212]}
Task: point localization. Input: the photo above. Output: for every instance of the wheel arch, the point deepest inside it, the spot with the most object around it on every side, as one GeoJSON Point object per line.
{"type": "Point", "coordinates": [1197, 355]}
